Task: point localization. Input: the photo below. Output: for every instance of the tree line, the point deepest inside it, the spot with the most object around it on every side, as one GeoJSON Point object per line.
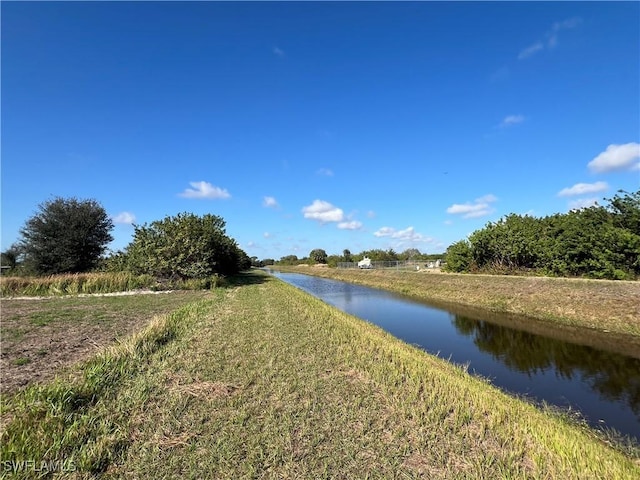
{"type": "Point", "coordinates": [602, 241]}
{"type": "Point", "coordinates": [319, 256]}
{"type": "Point", "coordinates": [68, 235]}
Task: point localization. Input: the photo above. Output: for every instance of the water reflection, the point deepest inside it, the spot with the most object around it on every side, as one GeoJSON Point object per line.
{"type": "Point", "coordinates": [561, 368]}
{"type": "Point", "coordinates": [615, 377]}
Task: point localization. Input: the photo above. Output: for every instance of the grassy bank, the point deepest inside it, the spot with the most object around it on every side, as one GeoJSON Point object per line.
{"type": "Point", "coordinates": [263, 380]}
{"type": "Point", "coordinates": [604, 305]}
{"type": "Point", "coordinates": [92, 283]}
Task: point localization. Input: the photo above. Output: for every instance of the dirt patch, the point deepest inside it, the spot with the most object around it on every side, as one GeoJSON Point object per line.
{"type": "Point", "coordinates": [41, 338]}
{"type": "Point", "coordinates": [40, 353]}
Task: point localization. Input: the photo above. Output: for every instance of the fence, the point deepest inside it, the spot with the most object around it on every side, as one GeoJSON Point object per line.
{"type": "Point", "coordinates": [397, 265]}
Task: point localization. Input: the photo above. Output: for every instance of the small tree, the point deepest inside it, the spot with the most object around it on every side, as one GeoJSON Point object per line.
{"type": "Point", "coordinates": [346, 255]}
{"type": "Point", "coordinates": [318, 255]}
{"type": "Point", "coordinates": [66, 235]}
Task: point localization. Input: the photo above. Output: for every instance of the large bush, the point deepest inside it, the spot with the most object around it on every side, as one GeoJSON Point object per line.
{"type": "Point", "coordinates": [599, 242]}
{"type": "Point", "coordinates": [184, 246]}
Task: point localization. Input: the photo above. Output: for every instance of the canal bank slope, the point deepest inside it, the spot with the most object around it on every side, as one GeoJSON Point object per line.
{"type": "Point", "coordinates": [265, 381]}
{"type": "Point", "coordinates": [602, 305]}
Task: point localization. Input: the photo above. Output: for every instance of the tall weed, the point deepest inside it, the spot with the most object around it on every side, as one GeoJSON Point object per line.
{"type": "Point", "coordinates": [106, 282]}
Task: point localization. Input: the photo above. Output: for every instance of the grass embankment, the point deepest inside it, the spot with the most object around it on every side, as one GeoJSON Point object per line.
{"type": "Point", "coordinates": [92, 283]}
{"type": "Point", "coordinates": [263, 380]}
{"type": "Point", "coordinates": [604, 305]}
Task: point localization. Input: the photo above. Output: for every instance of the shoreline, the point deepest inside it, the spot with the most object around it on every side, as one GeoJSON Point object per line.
{"type": "Point", "coordinates": [599, 313]}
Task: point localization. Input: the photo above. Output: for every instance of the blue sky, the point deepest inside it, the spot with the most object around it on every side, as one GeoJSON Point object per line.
{"type": "Point", "coordinates": [319, 125]}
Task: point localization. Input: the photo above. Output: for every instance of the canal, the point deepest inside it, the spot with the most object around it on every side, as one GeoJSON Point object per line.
{"type": "Point", "coordinates": [599, 385]}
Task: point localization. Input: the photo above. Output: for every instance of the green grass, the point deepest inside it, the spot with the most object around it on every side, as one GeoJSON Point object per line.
{"type": "Point", "coordinates": [263, 380]}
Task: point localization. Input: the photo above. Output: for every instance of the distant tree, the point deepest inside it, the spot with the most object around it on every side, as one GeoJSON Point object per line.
{"type": "Point", "coordinates": [346, 255]}
{"type": "Point", "coordinates": [268, 261]}
{"type": "Point", "coordinates": [375, 255]}
{"type": "Point", "coordinates": [11, 257]}
{"type": "Point", "coordinates": [333, 260]}
{"type": "Point", "coordinates": [289, 260]}
{"type": "Point", "coordinates": [318, 255]}
{"type": "Point", "coordinates": [379, 255]}
{"type": "Point", "coordinates": [66, 235]}
{"type": "Point", "coordinates": [185, 246]}
{"type": "Point", "coordinates": [410, 254]}
{"type": "Point", "coordinates": [256, 263]}
{"type": "Point", "coordinates": [390, 255]}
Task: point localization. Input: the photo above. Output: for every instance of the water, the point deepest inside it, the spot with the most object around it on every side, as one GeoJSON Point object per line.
{"type": "Point", "coordinates": [601, 385]}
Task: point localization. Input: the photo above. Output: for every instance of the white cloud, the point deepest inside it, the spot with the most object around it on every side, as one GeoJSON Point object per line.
{"type": "Point", "coordinates": [479, 208]}
{"type": "Point", "coordinates": [323, 212]}
{"type": "Point", "coordinates": [583, 189]}
{"type": "Point", "coordinates": [325, 172]}
{"type": "Point", "coordinates": [205, 190]}
{"type": "Point", "coordinates": [266, 235]}
{"type": "Point", "coordinates": [269, 202]}
{"type": "Point", "coordinates": [278, 51]}
{"type": "Point", "coordinates": [582, 203]}
{"type": "Point", "coordinates": [408, 234]}
{"type": "Point", "coordinates": [125, 218]}
{"type": "Point", "coordinates": [371, 214]}
{"type": "Point", "coordinates": [550, 37]}
{"type": "Point", "coordinates": [510, 120]}
{"type": "Point", "coordinates": [471, 211]}
{"type": "Point", "coordinates": [489, 198]}
{"type": "Point", "coordinates": [251, 244]}
{"type": "Point", "coordinates": [567, 24]}
{"type": "Point", "coordinates": [617, 157]}
{"type": "Point", "coordinates": [527, 52]}
{"type": "Point", "coordinates": [385, 232]}
{"type": "Point", "coordinates": [351, 225]}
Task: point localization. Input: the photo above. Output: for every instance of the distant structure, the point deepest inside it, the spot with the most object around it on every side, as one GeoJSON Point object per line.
{"type": "Point", "coordinates": [364, 263]}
